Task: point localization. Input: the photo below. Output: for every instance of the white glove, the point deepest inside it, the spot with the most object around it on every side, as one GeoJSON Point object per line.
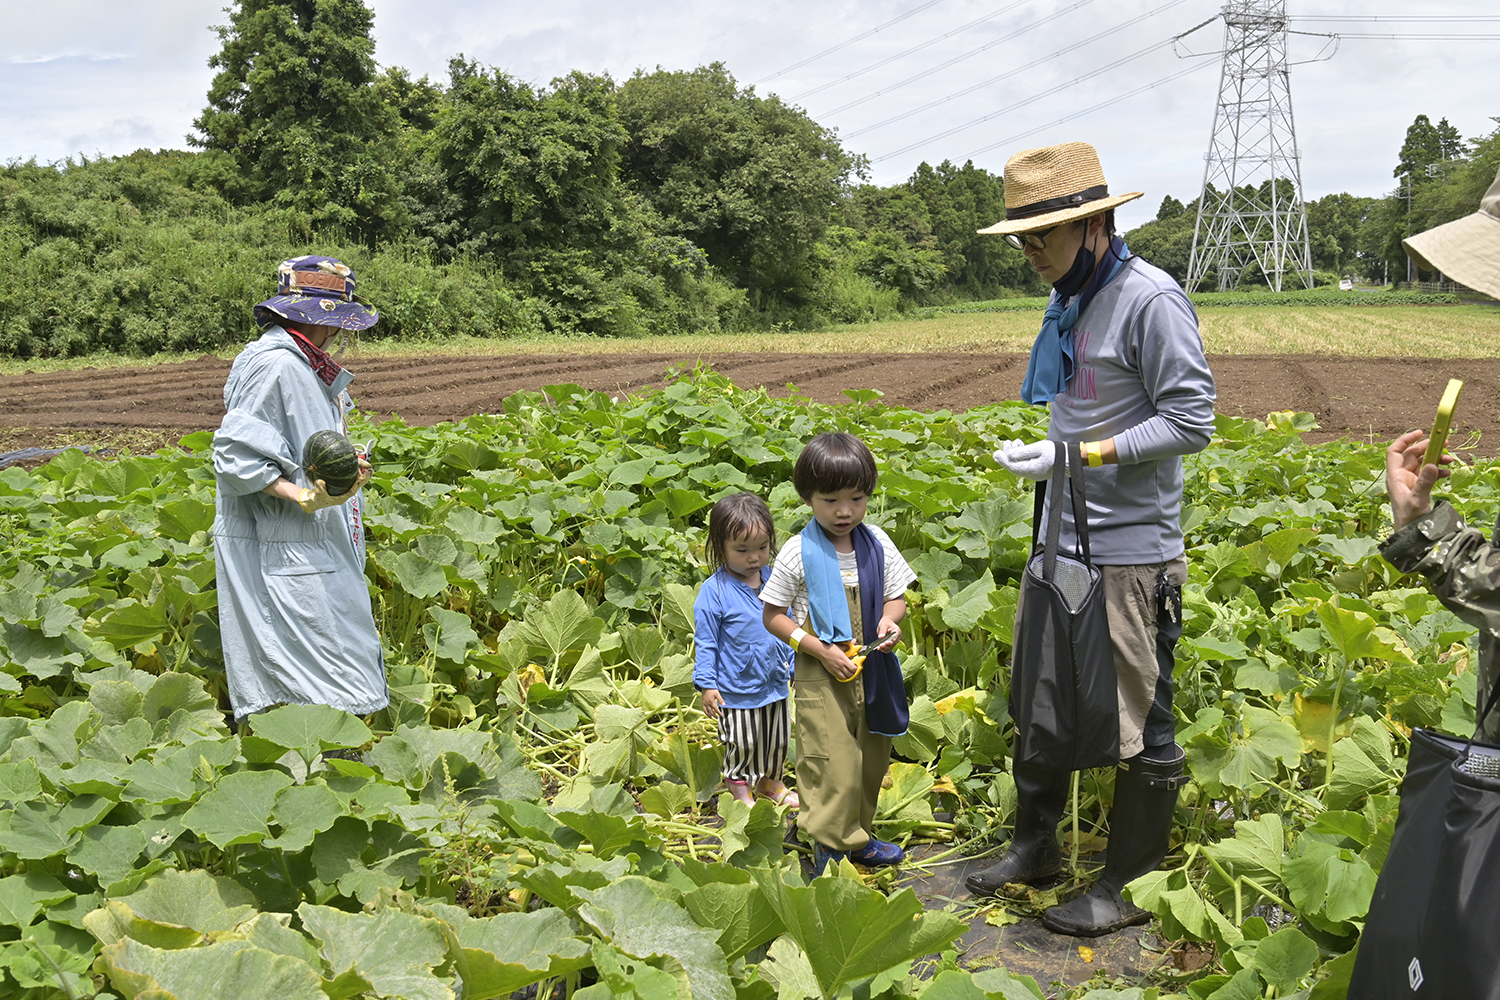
{"type": "Point", "coordinates": [1004, 447]}
{"type": "Point", "coordinates": [1030, 461]}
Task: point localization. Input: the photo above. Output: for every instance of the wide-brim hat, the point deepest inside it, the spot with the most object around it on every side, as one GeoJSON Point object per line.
{"type": "Point", "coordinates": [1054, 184]}
{"type": "Point", "coordinates": [1466, 250]}
{"type": "Point", "coordinates": [317, 290]}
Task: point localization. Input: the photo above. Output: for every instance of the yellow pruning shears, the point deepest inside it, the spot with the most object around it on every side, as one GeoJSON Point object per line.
{"type": "Point", "coordinates": [857, 656]}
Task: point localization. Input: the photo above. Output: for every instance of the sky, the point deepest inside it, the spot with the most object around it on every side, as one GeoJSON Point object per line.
{"type": "Point", "coordinates": [902, 81]}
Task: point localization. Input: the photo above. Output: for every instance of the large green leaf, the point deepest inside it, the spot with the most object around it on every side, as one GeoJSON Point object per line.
{"type": "Point", "coordinates": [302, 812]}
{"type": "Point", "coordinates": [173, 910]}
{"type": "Point", "coordinates": [501, 954]}
{"type": "Point", "coordinates": [228, 970]}
{"type": "Point", "coordinates": [310, 729]}
{"type": "Point", "coordinates": [631, 916]}
{"type": "Point", "coordinates": [1284, 958]}
{"type": "Point", "coordinates": [849, 931]}
{"type": "Point", "coordinates": [741, 914]}
{"type": "Point", "coordinates": [966, 607]}
{"type": "Point", "coordinates": [41, 829]}
{"type": "Point", "coordinates": [677, 609]}
{"type": "Point", "coordinates": [109, 852]}
{"type": "Point", "coordinates": [238, 809]}
{"type": "Point", "coordinates": [562, 623]}
{"type": "Point", "coordinates": [22, 897]}
{"type": "Point", "coordinates": [1328, 884]}
{"type": "Point", "coordinates": [396, 952]}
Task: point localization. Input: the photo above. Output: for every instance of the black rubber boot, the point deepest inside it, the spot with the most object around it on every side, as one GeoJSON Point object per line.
{"type": "Point", "coordinates": [1033, 855]}
{"type": "Point", "coordinates": [1140, 824]}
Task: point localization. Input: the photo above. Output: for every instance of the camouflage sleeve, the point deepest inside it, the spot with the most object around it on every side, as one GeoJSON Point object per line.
{"type": "Point", "coordinates": [1459, 563]}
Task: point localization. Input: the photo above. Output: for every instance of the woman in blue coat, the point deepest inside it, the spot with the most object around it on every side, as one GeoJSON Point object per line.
{"type": "Point", "coordinates": [294, 608]}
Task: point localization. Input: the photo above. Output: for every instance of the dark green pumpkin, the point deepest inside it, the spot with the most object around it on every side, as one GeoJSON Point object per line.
{"type": "Point", "coordinates": [329, 456]}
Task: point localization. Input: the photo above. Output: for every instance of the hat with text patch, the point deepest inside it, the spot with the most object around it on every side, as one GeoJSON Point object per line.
{"type": "Point", "coordinates": [317, 290]}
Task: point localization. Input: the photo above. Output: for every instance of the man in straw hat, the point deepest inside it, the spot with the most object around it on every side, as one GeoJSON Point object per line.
{"type": "Point", "coordinates": [294, 610]}
{"type": "Point", "coordinates": [1460, 564]}
{"type": "Point", "coordinates": [1120, 361]}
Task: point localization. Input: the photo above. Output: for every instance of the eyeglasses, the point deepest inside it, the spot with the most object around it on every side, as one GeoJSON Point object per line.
{"type": "Point", "coordinates": [1037, 241]}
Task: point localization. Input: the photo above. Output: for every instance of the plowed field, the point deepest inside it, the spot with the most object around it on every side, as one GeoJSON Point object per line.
{"type": "Point", "coordinates": [1351, 396]}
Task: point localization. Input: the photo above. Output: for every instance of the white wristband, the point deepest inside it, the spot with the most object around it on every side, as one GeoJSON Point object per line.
{"type": "Point", "coordinates": [796, 637]}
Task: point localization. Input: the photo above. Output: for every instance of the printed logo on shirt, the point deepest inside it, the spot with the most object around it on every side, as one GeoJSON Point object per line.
{"type": "Point", "coordinates": [1081, 385]}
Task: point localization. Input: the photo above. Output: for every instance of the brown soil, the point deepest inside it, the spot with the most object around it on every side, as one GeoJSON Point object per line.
{"type": "Point", "coordinates": [1368, 398]}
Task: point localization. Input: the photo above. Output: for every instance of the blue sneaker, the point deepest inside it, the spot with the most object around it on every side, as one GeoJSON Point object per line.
{"type": "Point", "coordinates": [878, 853]}
{"type": "Point", "coordinates": [823, 855]}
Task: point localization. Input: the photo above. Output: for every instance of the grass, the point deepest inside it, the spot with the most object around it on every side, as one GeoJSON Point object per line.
{"type": "Point", "coordinates": [1463, 331]}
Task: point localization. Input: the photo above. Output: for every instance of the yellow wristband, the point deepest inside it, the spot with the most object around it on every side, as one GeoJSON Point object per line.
{"type": "Point", "coordinates": [1096, 454]}
{"type": "Point", "coordinates": [796, 637]}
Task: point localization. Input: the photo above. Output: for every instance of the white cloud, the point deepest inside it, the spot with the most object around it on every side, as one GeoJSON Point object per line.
{"type": "Point", "coordinates": [57, 97]}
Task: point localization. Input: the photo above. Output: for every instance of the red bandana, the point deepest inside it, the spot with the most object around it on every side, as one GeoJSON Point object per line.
{"type": "Point", "coordinates": [322, 363]}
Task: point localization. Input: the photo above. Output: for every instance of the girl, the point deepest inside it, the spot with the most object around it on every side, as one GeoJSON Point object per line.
{"type": "Point", "coordinates": [741, 668]}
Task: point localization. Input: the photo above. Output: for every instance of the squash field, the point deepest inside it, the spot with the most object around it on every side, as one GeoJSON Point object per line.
{"type": "Point", "coordinates": [536, 813]}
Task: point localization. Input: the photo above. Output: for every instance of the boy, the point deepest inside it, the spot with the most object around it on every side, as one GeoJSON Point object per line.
{"type": "Point", "coordinates": [845, 582]}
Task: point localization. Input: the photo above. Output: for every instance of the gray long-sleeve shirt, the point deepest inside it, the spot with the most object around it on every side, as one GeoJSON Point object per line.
{"type": "Point", "coordinates": [1139, 377]}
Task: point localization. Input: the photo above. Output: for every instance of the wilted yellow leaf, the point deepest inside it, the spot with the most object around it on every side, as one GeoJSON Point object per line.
{"type": "Point", "coordinates": [1000, 917]}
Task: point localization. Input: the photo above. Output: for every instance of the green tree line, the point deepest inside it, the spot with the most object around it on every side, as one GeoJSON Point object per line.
{"type": "Point", "coordinates": [480, 204]}
{"type": "Point", "coordinates": [1358, 236]}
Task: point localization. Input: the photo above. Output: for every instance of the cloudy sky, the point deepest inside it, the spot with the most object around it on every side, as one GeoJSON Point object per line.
{"type": "Point", "coordinates": [901, 80]}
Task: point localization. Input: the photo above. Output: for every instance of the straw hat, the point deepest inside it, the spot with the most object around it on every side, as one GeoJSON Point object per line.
{"type": "Point", "coordinates": [1054, 184]}
{"type": "Point", "coordinates": [1466, 250]}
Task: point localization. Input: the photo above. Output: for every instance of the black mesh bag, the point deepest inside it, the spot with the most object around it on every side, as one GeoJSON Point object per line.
{"type": "Point", "coordinates": [1433, 920]}
{"type": "Point", "coordinates": [1063, 691]}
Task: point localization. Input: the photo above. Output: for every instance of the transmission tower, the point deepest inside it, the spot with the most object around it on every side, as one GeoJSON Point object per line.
{"type": "Point", "coordinates": [1250, 210]}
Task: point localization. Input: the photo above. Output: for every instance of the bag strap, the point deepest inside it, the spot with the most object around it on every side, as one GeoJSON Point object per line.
{"type": "Point", "coordinates": [1489, 703]}
{"type": "Point", "coordinates": [1054, 516]}
{"type": "Point", "coordinates": [1080, 507]}
{"type": "Point", "coordinates": [1039, 505]}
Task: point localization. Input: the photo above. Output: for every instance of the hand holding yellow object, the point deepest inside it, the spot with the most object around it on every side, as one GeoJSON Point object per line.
{"type": "Point", "coordinates": [857, 655]}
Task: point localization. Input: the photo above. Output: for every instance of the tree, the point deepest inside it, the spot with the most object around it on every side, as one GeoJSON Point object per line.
{"type": "Point", "coordinates": [1423, 145]}
{"type": "Point", "coordinates": [750, 180]}
{"type": "Point", "coordinates": [1170, 208]}
{"type": "Point", "coordinates": [1333, 225]}
{"type": "Point", "coordinates": [1450, 143]}
{"type": "Point", "coordinates": [294, 105]}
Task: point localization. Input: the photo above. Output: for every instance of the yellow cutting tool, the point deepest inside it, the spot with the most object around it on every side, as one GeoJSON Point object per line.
{"type": "Point", "coordinates": [857, 656]}
{"type": "Point", "coordinates": [1441, 424]}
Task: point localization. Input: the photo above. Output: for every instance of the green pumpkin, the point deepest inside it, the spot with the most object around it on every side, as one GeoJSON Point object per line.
{"type": "Point", "coordinates": [329, 456]}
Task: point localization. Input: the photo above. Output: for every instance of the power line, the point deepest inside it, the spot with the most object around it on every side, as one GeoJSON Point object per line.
{"type": "Point", "coordinates": [1007, 74]}
{"type": "Point", "coordinates": [915, 48]}
{"type": "Point", "coordinates": [1077, 114]}
{"type": "Point", "coordinates": [1098, 71]}
{"type": "Point", "coordinates": [1393, 17]}
{"type": "Point", "coordinates": [848, 42]}
{"type": "Point", "coordinates": [973, 52]}
{"type": "Point", "coordinates": [1444, 38]}
{"type": "Point", "coordinates": [801, 30]}
{"type": "Point", "coordinates": [737, 27]}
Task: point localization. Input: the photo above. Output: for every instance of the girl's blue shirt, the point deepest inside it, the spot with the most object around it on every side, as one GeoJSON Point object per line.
{"type": "Point", "coordinates": [749, 666]}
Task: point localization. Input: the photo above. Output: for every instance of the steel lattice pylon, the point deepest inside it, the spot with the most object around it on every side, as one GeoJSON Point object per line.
{"type": "Point", "coordinates": [1250, 210]}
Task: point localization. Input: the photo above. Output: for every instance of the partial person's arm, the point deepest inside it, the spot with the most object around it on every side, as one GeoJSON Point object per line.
{"type": "Point", "coordinates": [1460, 565]}
{"type": "Point", "coordinates": [1178, 381]}
{"type": "Point", "coordinates": [833, 658]}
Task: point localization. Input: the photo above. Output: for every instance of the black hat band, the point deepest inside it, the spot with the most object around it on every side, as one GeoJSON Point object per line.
{"type": "Point", "coordinates": [1053, 204]}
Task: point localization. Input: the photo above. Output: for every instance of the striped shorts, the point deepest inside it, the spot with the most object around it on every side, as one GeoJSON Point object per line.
{"type": "Point", "coordinates": [754, 741]}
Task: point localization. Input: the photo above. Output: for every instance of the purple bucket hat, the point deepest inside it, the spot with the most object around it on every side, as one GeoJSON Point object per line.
{"type": "Point", "coordinates": [318, 290]}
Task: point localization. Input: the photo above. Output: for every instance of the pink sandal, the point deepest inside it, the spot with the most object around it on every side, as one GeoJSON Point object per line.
{"type": "Point", "coordinates": [740, 790]}
{"type": "Point", "coordinates": [780, 795]}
